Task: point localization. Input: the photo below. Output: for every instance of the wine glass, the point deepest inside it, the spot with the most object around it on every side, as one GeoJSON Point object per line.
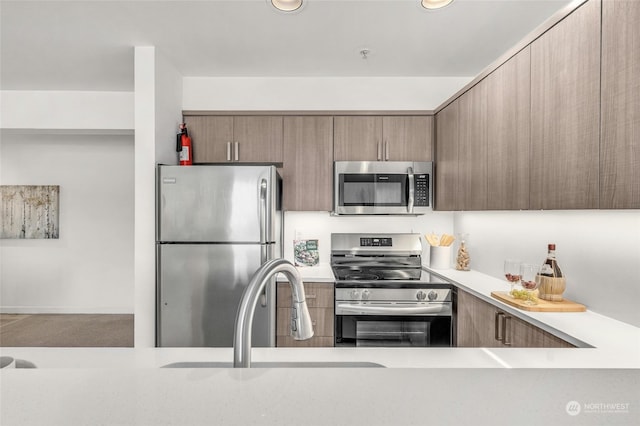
{"type": "Point", "coordinates": [529, 280]}
{"type": "Point", "coordinates": [512, 272]}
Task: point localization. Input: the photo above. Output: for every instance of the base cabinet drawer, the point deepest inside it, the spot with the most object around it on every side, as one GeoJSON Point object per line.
{"type": "Point", "coordinates": [314, 342]}
{"type": "Point", "coordinates": [321, 320]}
{"type": "Point", "coordinates": [320, 301]}
{"type": "Point", "coordinates": [317, 295]}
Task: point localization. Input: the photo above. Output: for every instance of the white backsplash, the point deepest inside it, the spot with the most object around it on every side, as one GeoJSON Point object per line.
{"type": "Point", "coordinates": [320, 225]}
{"type": "Point", "coordinates": [598, 251]}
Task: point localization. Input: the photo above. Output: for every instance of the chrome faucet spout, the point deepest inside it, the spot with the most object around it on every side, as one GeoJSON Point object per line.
{"type": "Point", "coordinates": [301, 328]}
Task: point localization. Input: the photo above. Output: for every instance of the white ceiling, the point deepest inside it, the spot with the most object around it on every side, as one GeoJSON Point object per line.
{"type": "Point", "coordinates": [88, 45]}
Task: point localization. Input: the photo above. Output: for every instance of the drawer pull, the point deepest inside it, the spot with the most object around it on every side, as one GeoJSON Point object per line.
{"type": "Point", "coordinates": [498, 316]}
{"type": "Point", "coordinates": [506, 320]}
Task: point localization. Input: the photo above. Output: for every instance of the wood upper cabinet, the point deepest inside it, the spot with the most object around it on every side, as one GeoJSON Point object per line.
{"type": "Point", "coordinates": [446, 167]}
{"type": "Point", "coordinates": [210, 136]}
{"type": "Point", "coordinates": [357, 138]}
{"type": "Point", "coordinates": [565, 112]}
{"type": "Point", "coordinates": [481, 324]}
{"type": "Point", "coordinates": [320, 301]}
{"type": "Point", "coordinates": [508, 133]}
{"type": "Point", "coordinates": [407, 138]}
{"type": "Point", "coordinates": [252, 139]}
{"type": "Point", "coordinates": [388, 138]}
{"type": "Point", "coordinates": [472, 148]}
{"type": "Point", "coordinates": [308, 163]}
{"type": "Point", "coordinates": [620, 137]}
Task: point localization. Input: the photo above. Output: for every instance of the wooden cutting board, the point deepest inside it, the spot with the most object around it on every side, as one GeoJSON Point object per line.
{"type": "Point", "coordinates": [542, 306]}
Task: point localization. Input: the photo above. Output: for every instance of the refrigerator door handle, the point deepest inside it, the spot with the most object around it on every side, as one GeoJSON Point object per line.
{"type": "Point", "coordinates": [263, 211]}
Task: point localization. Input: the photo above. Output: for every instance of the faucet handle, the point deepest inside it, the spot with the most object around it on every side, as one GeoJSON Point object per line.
{"type": "Point", "coordinates": [301, 324]}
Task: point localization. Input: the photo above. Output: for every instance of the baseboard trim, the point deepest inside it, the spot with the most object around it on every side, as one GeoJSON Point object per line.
{"type": "Point", "coordinates": [63, 310]}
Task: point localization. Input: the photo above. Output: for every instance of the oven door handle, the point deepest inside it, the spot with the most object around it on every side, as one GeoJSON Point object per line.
{"type": "Point", "coordinates": [347, 308]}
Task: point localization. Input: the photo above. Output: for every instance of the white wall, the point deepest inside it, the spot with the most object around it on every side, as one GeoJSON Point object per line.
{"type": "Point", "coordinates": [320, 225]}
{"type": "Point", "coordinates": [168, 109]}
{"type": "Point", "coordinates": [158, 94]}
{"type": "Point", "coordinates": [79, 110]}
{"type": "Point", "coordinates": [314, 93]}
{"type": "Point", "coordinates": [89, 269]}
{"type": "Point", "coordinates": [598, 251]}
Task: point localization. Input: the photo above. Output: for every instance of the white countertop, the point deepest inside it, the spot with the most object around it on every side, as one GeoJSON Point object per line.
{"type": "Point", "coordinates": [437, 385]}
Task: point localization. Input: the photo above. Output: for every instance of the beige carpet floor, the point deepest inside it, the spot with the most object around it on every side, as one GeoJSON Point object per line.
{"type": "Point", "coordinates": [66, 330]}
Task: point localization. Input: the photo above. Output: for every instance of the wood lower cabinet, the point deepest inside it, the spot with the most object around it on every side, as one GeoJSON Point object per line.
{"type": "Point", "coordinates": [481, 324]}
{"type": "Point", "coordinates": [248, 139]}
{"type": "Point", "coordinates": [308, 163]}
{"type": "Point", "coordinates": [320, 301]}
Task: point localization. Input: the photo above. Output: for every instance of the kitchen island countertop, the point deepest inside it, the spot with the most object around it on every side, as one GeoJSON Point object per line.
{"type": "Point", "coordinates": [79, 386]}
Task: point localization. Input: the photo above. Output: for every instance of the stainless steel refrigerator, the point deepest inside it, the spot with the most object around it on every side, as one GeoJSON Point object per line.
{"type": "Point", "coordinates": [215, 225]}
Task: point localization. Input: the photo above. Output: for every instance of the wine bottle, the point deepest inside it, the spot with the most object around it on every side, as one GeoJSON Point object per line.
{"type": "Point", "coordinates": [550, 267]}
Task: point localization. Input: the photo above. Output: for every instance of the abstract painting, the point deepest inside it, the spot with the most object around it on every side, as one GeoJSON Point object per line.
{"type": "Point", "coordinates": [29, 211]}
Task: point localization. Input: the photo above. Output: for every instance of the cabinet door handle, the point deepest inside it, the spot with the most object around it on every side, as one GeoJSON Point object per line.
{"type": "Point", "coordinates": [237, 151]}
{"type": "Point", "coordinates": [379, 150]}
{"type": "Point", "coordinates": [228, 151]}
{"type": "Point", "coordinates": [310, 296]}
{"type": "Point", "coordinates": [386, 151]}
{"type": "Point", "coordinates": [506, 320]}
{"type": "Point", "coordinates": [498, 316]}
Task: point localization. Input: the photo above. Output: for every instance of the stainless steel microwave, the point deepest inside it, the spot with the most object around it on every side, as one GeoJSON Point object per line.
{"type": "Point", "coordinates": [382, 187]}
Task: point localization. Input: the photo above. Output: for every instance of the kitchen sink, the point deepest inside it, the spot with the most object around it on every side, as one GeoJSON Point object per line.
{"type": "Point", "coordinates": [282, 364]}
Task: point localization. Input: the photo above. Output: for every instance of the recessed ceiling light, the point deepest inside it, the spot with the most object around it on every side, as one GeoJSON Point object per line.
{"type": "Point", "coordinates": [435, 4]}
{"type": "Point", "coordinates": [287, 5]}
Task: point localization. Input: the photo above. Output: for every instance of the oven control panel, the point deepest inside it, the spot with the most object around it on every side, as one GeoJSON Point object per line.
{"type": "Point", "coordinates": [376, 242]}
{"type": "Point", "coordinates": [391, 294]}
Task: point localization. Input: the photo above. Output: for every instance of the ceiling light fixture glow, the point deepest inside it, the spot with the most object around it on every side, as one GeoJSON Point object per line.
{"type": "Point", "coordinates": [435, 4]}
{"type": "Point", "coordinates": [288, 5]}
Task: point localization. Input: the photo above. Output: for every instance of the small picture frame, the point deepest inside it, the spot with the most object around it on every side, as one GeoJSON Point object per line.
{"type": "Point", "coordinates": [305, 253]}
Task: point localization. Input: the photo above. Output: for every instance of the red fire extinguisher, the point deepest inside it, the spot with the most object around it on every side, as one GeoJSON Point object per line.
{"type": "Point", "coordinates": [183, 147]}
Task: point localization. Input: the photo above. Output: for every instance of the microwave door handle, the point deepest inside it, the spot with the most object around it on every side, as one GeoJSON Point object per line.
{"type": "Point", "coordinates": [411, 190]}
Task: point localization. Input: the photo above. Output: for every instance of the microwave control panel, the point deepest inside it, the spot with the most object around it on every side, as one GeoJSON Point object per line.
{"type": "Point", "coordinates": [421, 190]}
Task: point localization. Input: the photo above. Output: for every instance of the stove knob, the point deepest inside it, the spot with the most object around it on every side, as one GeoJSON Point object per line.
{"type": "Point", "coordinates": [421, 295]}
{"type": "Point", "coordinates": [432, 295]}
{"type": "Point", "coordinates": [366, 294]}
{"type": "Point", "coordinates": [355, 295]}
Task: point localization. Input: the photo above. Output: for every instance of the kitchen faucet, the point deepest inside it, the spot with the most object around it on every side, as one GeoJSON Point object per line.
{"type": "Point", "coordinates": [301, 328]}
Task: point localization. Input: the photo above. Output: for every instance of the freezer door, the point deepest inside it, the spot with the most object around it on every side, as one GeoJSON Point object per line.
{"type": "Point", "coordinates": [217, 203]}
{"type": "Point", "coordinates": [199, 290]}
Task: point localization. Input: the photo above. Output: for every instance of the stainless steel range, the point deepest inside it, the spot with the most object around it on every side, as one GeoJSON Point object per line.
{"type": "Point", "coordinates": [383, 296]}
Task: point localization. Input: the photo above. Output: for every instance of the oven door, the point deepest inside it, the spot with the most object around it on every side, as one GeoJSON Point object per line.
{"type": "Point", "coordinates": [393, 331]}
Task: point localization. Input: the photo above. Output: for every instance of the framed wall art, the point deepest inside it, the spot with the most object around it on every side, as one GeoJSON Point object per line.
{"type": "Point", "coordinates": [29, 211]}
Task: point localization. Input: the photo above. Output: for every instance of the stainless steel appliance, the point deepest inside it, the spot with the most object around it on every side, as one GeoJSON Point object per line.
{"type": "Point", "coordinates": [383, 296]}
{"type": "Point", "coordinates": [216, 224]}
{"type": "Point", "coordinates": [382, 187]}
